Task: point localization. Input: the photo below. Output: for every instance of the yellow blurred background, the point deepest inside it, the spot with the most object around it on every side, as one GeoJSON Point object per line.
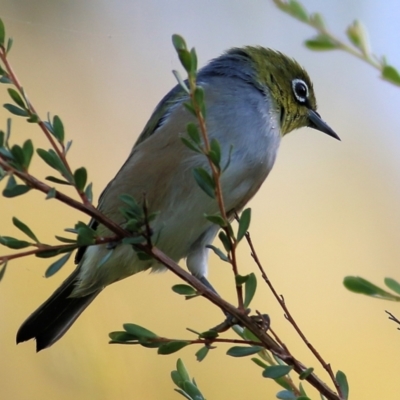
{"type": "Point", "coordinates": [328, 209]}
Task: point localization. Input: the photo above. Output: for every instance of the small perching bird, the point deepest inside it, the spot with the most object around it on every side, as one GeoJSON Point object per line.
{"type": "Point", "coordinates": [253, 96]}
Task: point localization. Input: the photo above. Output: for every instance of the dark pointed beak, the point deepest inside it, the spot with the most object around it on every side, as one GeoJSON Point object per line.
{"type": "Point", "coordinates": [315, 121]}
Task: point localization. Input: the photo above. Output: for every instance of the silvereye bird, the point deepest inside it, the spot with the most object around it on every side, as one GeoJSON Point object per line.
{"type": "Point", "coordinates": [254, 96]}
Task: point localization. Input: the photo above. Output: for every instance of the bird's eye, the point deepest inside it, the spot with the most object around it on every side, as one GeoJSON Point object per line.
{"type": "Point", "coordinates": [300, 90]}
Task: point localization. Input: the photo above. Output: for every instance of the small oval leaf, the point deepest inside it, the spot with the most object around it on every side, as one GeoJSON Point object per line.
{"type": "Point", "coordinates": [276, 371]}
{"type": "Point", "coordinates": [243, 351]}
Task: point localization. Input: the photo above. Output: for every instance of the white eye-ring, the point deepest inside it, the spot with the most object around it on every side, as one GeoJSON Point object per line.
{"type": "Point", "coordinates": [300, 90]}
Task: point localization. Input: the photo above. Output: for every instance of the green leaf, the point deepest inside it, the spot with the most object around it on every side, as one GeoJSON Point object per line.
{"type": "Point", "coordinates": [215, 153]}
{"type": "Point", "coordinates": [172, 347]}
{"type": "Point", "coordinates": [199, 99]}
{"type": "Point", "coordinates": [229, 159]}
{"type": "Point", "coordinates": [357, 284]}
{"type": "Point", "coordinates": [33, 119]}
{"type": "Point", "coordinates": [240, 279]}
{"type": "Point", "coordinates": [216, 219]}
{"type": "Point", "coordinates": [12, 189]}
{"type": "Point", "coordinates": [51, 194]}
{"type": "Point", "coordinates": [57, 180]}
{"type": "Point", "coordinates": [57, 265]}
{"type": "Point", "coordinates": [202, 353]}
{"type": "Point", "coordinates": [27, 149]}
{"type": "Point", "coordinates": [391, 74]}
{"type": "Point", "coordinates": [9, 45]}
{"type": "Point", "coordinates": [180, 366]}
{"type": "Point", "coordinates": [249, 289]}
{"type": "Point", "coordinates": [258, 362]}
{"type": "Point", "coordinates": [13, 243]}
{"type": "Point", "coordinates": [211, 334]}
{"type": "Point", "coordinates": [18, 155]}
{"type": "Point", "coordinates": [52, 159]}
{"type": "Point", "coordinates": [357, 34]}
{"type": "Point", "coordinates": [225, 241]}
{"type": "Point", "coordinates": [193, 56]}
{"type": "Point", "coordinates": [80, 177]}
{"type": "Point", "coordinates": [192, 390]}
{"type": "Point", "coordinates": [199, 96]}
{"type": "Point", "coordinates": [89, 192]}
{"type": "Point", "coordinates": [16, 110]}
{"type": "Point", "coordinates": [48, 253]}
{"type": "Point", "coordinates": [65, 240]}
{"type": "Point", "coordinates": [3, 270]}
{"type": "Point", "coordinates": [24, 228]}
{"type": "Point", "coordinates": [185, 59]}
{"type": "Point", "coordinates": [5, 79]}
{"type": "Point", "coordinates": [184, 290]}
{"type": "Point", "coordinates": [86, 235]}
{"type": "Point", "coordinates": [244, 223]}
{"type": "Point", "coordinates": [276, 371]}
{"type": "Point", "coordinates": [249, 335]}
{"type": "Point", "coordinates": [179, 42]}
{"type": "Point", "coordinates": [286, 395]}
{"type": "Point", "coordinates": [205, 181]}
{"type": "Point", "coordinates": [2, 33]}
{"type": "Point", "coordinates": [121, 337]}
{"type": "Point", "coordinates": [393, 285]}
{"type": "Point", "coordinates": [190, 108]}
{"type": "Point", "coordinates": [17, 98]}
{"type": "Point", "coordinates": [241, 351]}
{"type": "Point", "coordinates": [343, 384]}
{"type": "Point", "coordinates": [306, 373]}
{"type": "Point", "coordinates": [58, 129]}
{"type": "Point", "coordinates": [139, 332]}
{"type": "Point", "coordinates": [321, 43]}
{"type": "Point", "coordinates": [190, 145]}
{"type": "Point", "coordinates": [298, 11]}
{"type": "Point", "coordinates": [318, 21]}
{"type": "Point", "coordinates": [193, 132]}
{"type": "Point", "coordinates": [218, 252]}
{"type": "Point", "coordinates": [6, 153]}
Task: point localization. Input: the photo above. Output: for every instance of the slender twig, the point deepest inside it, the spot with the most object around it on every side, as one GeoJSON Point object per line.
{"type": "Point", "coordinates": [41, 248]}
{"type": "Point", "coordinates": [393, 318]}
{"type": "Point", "coordinates": [206, 342]}
{"type": "Point", "coordinates": [363, 55]}
{"type": "Point", "coordinates": [289, 317]}
{"type": "Point", "coordinates": [61, 153]}
{"type": "Point", "coordinates": [88, 209]}
{"type": "Point", "coordinates": [216, 173]}
{"type": "Point", "coordinates": [246, 321]}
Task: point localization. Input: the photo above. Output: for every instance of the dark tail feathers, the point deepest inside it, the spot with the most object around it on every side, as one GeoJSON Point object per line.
{"type": "Point", "coordinates": [55, 316]}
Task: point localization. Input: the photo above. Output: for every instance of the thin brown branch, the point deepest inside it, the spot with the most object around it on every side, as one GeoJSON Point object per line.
{"type": "Point", "coordinates": [289, 316]}
{"type": "Point", "coordinates": [61, 153]}
{"type": "Point", "coordinates": [243, 319]}
{"type": "Point", "coordinates": [393, 318]}
{"type": "Point", "coordinates": [87, 209]}
{"type": "Point", "coordinates": [216, 173]}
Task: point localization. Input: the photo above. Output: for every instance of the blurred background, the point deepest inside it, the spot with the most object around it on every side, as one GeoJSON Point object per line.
{"type": "Point", "coordinates": [328, 209]}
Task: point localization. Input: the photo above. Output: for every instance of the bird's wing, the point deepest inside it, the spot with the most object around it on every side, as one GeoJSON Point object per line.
{"type": "Point", "coordinates": [174, 97]}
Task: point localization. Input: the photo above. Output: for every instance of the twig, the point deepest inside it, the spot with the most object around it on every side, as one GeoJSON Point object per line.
{"type": "Point", "coordinates": [289, 317]}
{"type": "Point", "coordinates": [393, 318]}
{"type": "Point", "coordinates": [61, 154]}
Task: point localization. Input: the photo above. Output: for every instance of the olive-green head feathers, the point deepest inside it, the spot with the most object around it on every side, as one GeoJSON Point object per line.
{"type": "Point", "coordinates": [289, 85]}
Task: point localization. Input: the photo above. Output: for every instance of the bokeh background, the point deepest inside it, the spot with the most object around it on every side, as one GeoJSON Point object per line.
{"type": "Point", "coordinates": [329, 209]}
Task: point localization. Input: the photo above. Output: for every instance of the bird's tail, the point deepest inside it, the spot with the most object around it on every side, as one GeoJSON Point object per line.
{"type": "Point", "coordinates": [55, 316]}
